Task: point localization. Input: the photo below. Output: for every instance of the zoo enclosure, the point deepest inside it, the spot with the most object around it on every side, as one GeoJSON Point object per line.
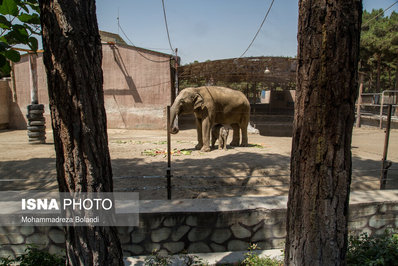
{"type": "Point", "coordinates": [256, 179]}
{"type": "Point", "coordinates": [374, 105]}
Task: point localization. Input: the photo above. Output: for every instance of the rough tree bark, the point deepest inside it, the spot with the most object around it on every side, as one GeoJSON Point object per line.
{"type": "Point", "coordinates": [328, 51]}
{"type": "Point", "coordinates": [73, 56]}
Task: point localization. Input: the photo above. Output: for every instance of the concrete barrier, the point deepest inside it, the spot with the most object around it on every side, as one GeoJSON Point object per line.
{"type": "Point", "coordinates": [212, 225]}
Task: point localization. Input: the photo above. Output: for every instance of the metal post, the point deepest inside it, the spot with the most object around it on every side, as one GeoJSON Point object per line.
{"type": "Point", "coordinates": [359, 102]}
{"type": "Point", "coordinates": [176, 83]}
{"type": "Point", "coordinates": [168, 172]}
{"type": "Point", "coordinates": [13, 86]}
{"type": "Point", "coordinates": [386, 164]}
{"type": "Point", "coordinates": [33, 79]}
{"type": "Point", "coordinates": [381, 110]}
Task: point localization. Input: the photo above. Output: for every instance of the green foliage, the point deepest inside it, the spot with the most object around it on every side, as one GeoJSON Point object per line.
{"type": "Point", "coordinates": [252, 259]}
{"type": "Point", "coordinates": [189, 260]}
{"type": "Point", "coordinates": [33, 257]}
{"type": "Point", "coordinates": [379, 49]}
{"type": "Point", "coordinates": [156, 259]}
{"type": "Point", "coordinates": [19, 23]}
{"type": "Point", "coordinates": [375, 250]}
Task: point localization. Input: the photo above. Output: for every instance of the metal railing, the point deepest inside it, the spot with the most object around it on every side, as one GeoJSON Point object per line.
{"type": "Point", "coordinates": [380, 101]}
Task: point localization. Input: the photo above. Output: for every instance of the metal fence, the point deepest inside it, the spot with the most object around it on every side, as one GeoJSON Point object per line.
{"type": "Point", "coordinates": [376, 104]}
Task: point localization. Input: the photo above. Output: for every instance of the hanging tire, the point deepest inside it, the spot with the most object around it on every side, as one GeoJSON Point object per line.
{"type": "Point", "coordinates": [36, 128]}
{"type": "Point", "coordinates": [37, 123]}
{"type": "Point", "coordinates": [36, 107]}
{"type": "Point", "coordinates": [37, 134]}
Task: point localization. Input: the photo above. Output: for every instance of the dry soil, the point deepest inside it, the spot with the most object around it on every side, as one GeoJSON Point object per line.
{"type": "Point", "coordinates": [139, 163]}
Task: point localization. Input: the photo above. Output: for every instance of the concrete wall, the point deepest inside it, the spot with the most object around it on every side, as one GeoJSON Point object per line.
{"type": "Point", "coordinates": [278, 99]}
{"type": "Point", "coordinates": [18, 110]}
{"type": "Point", "coordinates": [137, 88]}
{"type": "Point", "coordinates": [212, 225]}
{"type": "Point", "coordinates": [4, 104]}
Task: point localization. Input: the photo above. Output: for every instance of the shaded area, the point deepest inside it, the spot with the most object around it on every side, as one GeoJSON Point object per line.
{"type": "Point", "coordinates": [32, 174]}
{"type": "Point", "coordinates": [224, 176]}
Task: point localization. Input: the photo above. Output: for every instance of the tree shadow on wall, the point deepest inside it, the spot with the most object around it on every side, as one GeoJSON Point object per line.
{"type": "Point", "coordinates": [132, 89]}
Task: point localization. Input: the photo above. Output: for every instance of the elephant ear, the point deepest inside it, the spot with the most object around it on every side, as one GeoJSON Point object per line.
{"type": "Point", "coordinates": [198, 101]}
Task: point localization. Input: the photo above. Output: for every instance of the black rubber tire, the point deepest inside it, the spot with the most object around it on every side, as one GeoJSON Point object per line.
{"type": "Point", "coordinates": [37, 141]}
{"type": "Point", "coordinates": [35, 117]}
{"type": "Point", "coordinates": [36, 107]}
{"type": "Point", "coordinates": [36, 111]}
{"type": "Point", "coordinates": [38, 134]}
{"type": "Point", "coordinates": [36, 128]}
{"type": "Point", "coordinates": [36, 123]}
{"type": "Point", "coordinates": [37, 138]}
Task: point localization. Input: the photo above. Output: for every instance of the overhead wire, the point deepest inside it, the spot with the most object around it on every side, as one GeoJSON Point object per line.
{"type": "Point", "coordinates": [132, 44]}
{"type": "Point", "coordinates": [382, 12]}
{"type": "Point", "coordinates": [167, 27]}
{"type": "Point", "coordinates": [258, 31]}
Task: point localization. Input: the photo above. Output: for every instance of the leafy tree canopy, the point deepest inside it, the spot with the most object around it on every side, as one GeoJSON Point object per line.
{"type": "Point", "coordinates": [379, 48]}
{"type": "Point", "coordinates": [19, 24]}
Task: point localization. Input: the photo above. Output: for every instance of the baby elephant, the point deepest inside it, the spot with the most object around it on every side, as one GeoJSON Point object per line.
{"type": "Point", "coordinates": [219, 132]}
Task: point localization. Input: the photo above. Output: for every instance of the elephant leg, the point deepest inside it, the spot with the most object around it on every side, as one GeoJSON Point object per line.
{"type": "Point", "coordinates": [244, 135]}
{"type": "Point", "coordinates": [224, 142]}
{"type": "Point", "coordinates": [199, 133]}
{"type": "Point", "coordinates": [214, 137]}
{"type": "Point", "coordinates": [206, 128]}
{"type": "Point", "coordinates": [220, 142]}
{"type": "Point", "coordinates": [235, 135]}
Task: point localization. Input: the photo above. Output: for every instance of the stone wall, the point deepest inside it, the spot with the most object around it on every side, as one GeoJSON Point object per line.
{"type": "Point", "coordinates": [212, 225]}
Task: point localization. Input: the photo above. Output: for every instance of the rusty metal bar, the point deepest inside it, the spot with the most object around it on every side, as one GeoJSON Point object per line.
{"type": "Point", "coordinates": [386, 164]}
{"type": "Point", "coordinates": [168, 171]}
{"type": "Point", "coordinates": [358, 122]}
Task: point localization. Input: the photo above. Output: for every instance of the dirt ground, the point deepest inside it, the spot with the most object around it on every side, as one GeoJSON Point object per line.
{"type": "Point", "coordinates": [139, 163]}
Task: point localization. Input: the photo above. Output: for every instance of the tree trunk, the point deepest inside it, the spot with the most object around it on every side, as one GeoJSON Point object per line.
{"type": "Point", "coordinates": [73, 56]}
{"type": "Point", "coordinates": [328, 53]}
{"type": "Point", "coordinates": [396, 75]}
{"type": "Point", "coordinates": [378, 87]}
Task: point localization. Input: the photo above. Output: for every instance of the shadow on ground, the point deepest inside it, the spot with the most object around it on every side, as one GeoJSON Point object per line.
{"type": "Point", "coordinates": [230, 175]}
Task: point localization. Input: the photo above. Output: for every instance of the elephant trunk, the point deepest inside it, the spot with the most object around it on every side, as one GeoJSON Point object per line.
{"type": "Point", "coordinates": [173, 114]}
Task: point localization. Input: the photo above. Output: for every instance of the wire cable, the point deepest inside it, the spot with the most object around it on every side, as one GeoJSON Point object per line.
{"type": "Point", "coordinates": [382, 12]}
{"type": "Point", "coordinates": [132, 44]}
{"type": "Point", "coordinates": [258, 31]}
{"type": "Point", "coordinates": [167, 27]}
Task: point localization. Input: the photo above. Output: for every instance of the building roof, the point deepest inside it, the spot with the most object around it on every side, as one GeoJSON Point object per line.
{"type": "Point", "coordinates": [114, 38]}
{"type": "Point", "coordinates": [111, 37]}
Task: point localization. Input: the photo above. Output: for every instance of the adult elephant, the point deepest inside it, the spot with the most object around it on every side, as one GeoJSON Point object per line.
{"type": "Point", "coordinates": [213, 105]}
